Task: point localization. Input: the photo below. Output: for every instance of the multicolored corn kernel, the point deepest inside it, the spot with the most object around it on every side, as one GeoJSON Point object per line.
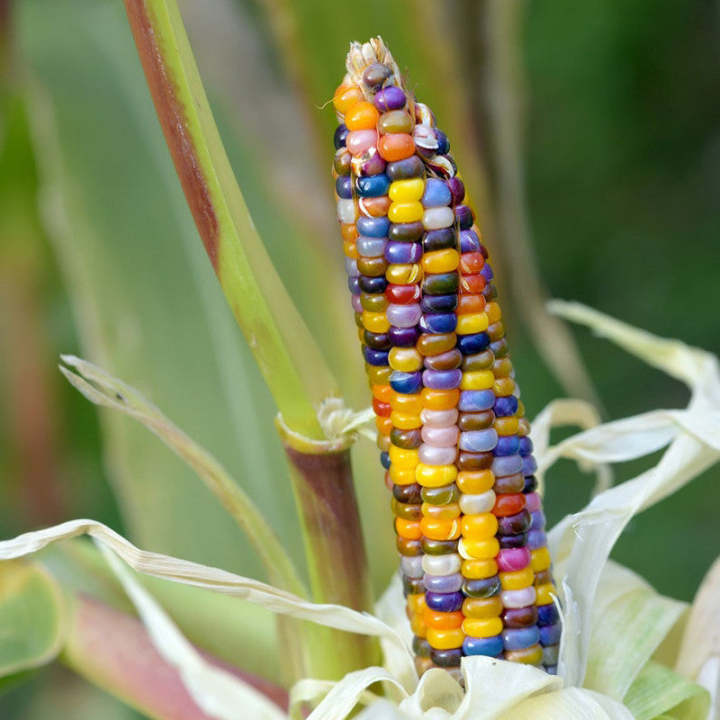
{"type": "Point", "coordinates": [451, 426]}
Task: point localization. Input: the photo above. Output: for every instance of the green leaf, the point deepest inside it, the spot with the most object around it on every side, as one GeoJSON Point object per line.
{"type": "Point", "coordinates": [103, 389]}
{"type": "Point", "coordinates": [659, 690]}
{"type": "Point", "coordinates": [147, 304]}
{"type": "Point", "coordinates": [32, 617]}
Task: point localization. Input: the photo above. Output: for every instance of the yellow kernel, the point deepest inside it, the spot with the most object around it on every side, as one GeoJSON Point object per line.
{"type": "Point", "coordinates": [482, 627]}
{"type": "Point", "coordinates": [493, 312]}
{"type": "Point", "coordinates": [528, 656]}
{"type": "Point", "coordinates": [416, 602]}
{"type": "Point", "coordinates": [404, 274]}
{"type": "Point", "coordinates": [504, 386]}
{"type": "Point", "coordinates": [440, 529]}
{"type": "Point", "coordinates": [545, 594]}
{"type": "Point", "coordinates": [403, 458]}
{"type": "Point", "coordinates": [477, 379]}
{"type": "Point", "coordinates": [506, 425]}
{"type": "Point", "coordinates": [440, 512]}
{"type": "Point", "coordinates": [481, 549]}
{"type": "Point", "coordinates": [540, 559]}
{"type": "Point", "coordinates": [375, 322]}
{"type": "Point", "coordinates": [378, 375]}
{"type": "Point", "coordinates": [471, 324]}
{"type": "Point", "coordinates": [475, 482]}
{"type": "Point", "coordinates": [401, 476]}
{"type": "Point", "coordinates": [405, 359]}
{"type": "Point", "coordinates": [441, 261]}
{"type": "Point", "coordinates": [405, 191]}
{"type": "Point", "coordinates": [435, 475]}
{"type": "Point", "coordinates": [405, 421]}
{"type": "Point", "coordinates": [411, 404]}
{"type": "Point", "coordinates": [479, 527]}
{"type": "Point", "coordinates": [482, 607]}
{"type": "Point", "coordinates": [405, 212]}
{"type": "Point", "coordinates": [479, 569]}
{"type": "Point", "coordinates": [417, 625]}
{"type": "Point", "coordinates": [445, 639]}
{"type": "Point", "coordinates": [440, 399]}
{"type": "Point", "coordinates": [518, 579]}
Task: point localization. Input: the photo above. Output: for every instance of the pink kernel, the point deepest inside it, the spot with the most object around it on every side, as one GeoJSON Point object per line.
{"type": "Point", "coordinates": [532, 502]}
{"type": "Point", "coordinates": [358, 141]}
{"type": "Point", "coordinates": [511, 559]}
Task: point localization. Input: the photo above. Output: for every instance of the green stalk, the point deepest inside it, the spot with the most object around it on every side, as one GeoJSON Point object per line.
{"type": "Point", "coordinates": [288, 357]}
{"type": "Point", "coordinates": [290, 361]}
{"type": "Point", "coordinates": [334, 544]}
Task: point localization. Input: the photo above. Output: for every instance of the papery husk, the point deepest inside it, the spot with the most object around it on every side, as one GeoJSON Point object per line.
{"type": "Point", "coordinates": [581, 543]}
{"type": "Point", "coordinates": [184, 571]}
{"type": "Point", "coordinates": [657, 690]}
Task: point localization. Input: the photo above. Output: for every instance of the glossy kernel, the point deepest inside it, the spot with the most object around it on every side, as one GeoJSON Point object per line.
{"type": "Point", "coordinates": [474, 482]}
{"type": "Point", "coordinates": [396, 146]}
{"type": "Point", "coordinates": [518, 579]}
{"type": "Point", "coordinates": [362, 116]}
{"type": "Point", "coordinates": [493, 312]}
{"type": "Point", "coordinates": [402, 476]}
{"type": "Point", "coordinates": [545, 594]}
{"type": "Point", "coordinates": [440, 529]}
{"type": "Point", "coordinates": [471, 324]}
{"type": "Point", "coordinates": [480, 526]}
{"type": "Point", "coordinates": [440, 512]}
{"type": "Point", "coordinates": [482, 627]}
{"type": "Point", "coordinates": [406, 403]}
{"type": "Point", "coordinates": [404, 274]}
{"type": "Point", "coordinates": [435, 475]}
{"type": "Point", "coordinates": [405, 359]}
{"type": "Point", "coordinates": [409, 190]}
{"type": "Point", "coordinates": [477, 380]}
{"type": "Point", "coordinates": [483, 607]}
{"type": "Point", "coordinates": [481, 549]}
{"type": "Point", "coordinates": [405, 421]}
{"type": "Point", "coordinates": [529, 656]}
{"type": "Point", "coordinates": [506, 426]}
{"type": "Point", "coordinates": [442, 620]}
{"type": "Point", "coordinates": [540, 559]}
{"type": "Point", "coordinates": [346, 96]}
{"type": "Point", "coordinates": [375, 322]}
{"type": "Point", "coordinates": [440, 399]}
{"type": "Point", "coordinates": [408, 528]}
{"type": "Point", "coordinates": [445, 639]}
{"type": "Point", "coordinates": [402, 458]}
{"type": "Point", "coordinates": [440, 261]}
{"type": "Point", "coordinates": [504, 386]}
{"type": "Point", "coordinates": [477, 569]}
{"type": "Point", "coordinates": [405, 212]}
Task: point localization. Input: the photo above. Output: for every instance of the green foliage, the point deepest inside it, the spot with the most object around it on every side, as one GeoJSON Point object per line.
{"type": "Point", "coordinates": [31, 617]}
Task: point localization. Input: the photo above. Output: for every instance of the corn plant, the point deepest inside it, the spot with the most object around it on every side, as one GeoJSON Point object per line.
{"type": "Point", "coordinates": [486, 629]}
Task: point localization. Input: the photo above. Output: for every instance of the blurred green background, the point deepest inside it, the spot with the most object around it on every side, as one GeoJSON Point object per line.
{"type": "Point", "coordinates": [588, 133]}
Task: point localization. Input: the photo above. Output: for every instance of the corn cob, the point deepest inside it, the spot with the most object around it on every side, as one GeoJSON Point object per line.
{"type": "Point", "coordinates": [451, 427]}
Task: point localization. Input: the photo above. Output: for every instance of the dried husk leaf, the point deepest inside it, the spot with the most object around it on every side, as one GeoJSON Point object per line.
{"type": "Point", "coordinates": [701, 641]}
{"type": "Point", "coordinates": [569, 704]}
{"type": "Point", "coordinates": [558, 413]}
{"type": "Point", "coordinates": [581, 543]}
{"type": "Point", "coordinates": [184, 571]}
